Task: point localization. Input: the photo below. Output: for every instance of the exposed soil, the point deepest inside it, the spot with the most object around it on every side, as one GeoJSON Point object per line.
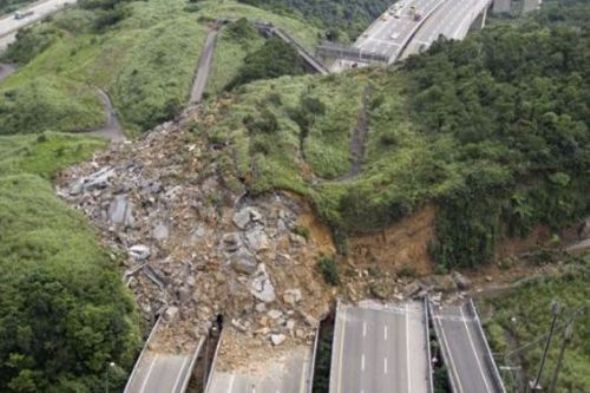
{"type": "Point", "coordinates": [403, 246]}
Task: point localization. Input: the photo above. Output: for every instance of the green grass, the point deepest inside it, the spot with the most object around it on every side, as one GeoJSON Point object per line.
{"type": "Point", "coordinates": [525, 315]}
{"type": "Point", "coordinates": [44, 154]}
{"type": "Point", "coordinates": [146, 63]}
{"type": "Point", "coordinates": [62, 292]}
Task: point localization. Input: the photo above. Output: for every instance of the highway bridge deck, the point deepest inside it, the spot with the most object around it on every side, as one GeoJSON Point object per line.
{"type": "Point", "coordinates": [380, 349]}
{"type": "Point", "coordinates": [466, 353]}
{"type": "Point", "coordinates": [282, 370]}
{"type": "Point", "coordinates": [161, 372]}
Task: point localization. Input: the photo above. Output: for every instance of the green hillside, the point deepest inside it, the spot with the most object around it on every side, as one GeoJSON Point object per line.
{"type": "Point", "coordinates": [143, 54]}
{"type": "Point", "coordinates": [64, 312]}
{"type": "Point", "coordinates": [521, 317]}
{"type": "Point", "coordinates": [493, 130]}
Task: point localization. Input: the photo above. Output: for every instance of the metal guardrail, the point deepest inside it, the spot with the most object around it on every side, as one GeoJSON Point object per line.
{"type": "Point", "coordinates": [440, 335]}
{"type": "Point", "coordinates": [489, 358]}
{"type": "Point", "coordinates": [142, 354]}
{"type": "Point", "coordinates": [428, 351]}
{"type": "Point", "coordinates": [349, 53]}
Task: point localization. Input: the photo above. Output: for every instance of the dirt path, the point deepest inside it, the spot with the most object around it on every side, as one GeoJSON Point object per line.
{"type": "Point", "coordinates": [204, 66]}
{"type": "Point", "coordinates": [6, 70]}
{"type": "Point", "coordinates": [112, 129]}
{"type": "Point", "coordinates": [359, 137]}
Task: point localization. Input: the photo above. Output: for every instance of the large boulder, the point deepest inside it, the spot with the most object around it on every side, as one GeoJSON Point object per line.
{"type": "Point", "coordinates": [243, 263]}
{"type": "Point", "coordinates": [260, 285]}
{"type": "Point", "coordinates": [245, 216]}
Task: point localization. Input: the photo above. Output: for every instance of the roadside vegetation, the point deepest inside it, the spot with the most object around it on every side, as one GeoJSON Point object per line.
{"type": "Point", "coordinates": [64, 312]}
{"type": "Point", "coordinates": [493, 130]}
{"type": "Point", "coordinates": [8, 6]}
{"type": "Point", "coordinates": [519, 320]}
{"type": "Point", "coordinates": [143, 54]}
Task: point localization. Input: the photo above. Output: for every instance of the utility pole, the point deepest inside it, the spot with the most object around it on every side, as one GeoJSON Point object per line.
{"type": "Point", "coordinates": [567, 337]}
{"type": "Point", "coordinates": [535, 386]}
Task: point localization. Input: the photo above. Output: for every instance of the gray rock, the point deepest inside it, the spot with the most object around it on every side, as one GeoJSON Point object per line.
{"type": "Point", "coordinates": [260, 307]}
{"type": "Point", "coordinates": [243, 263]}
{"type": "Point", "coordinates": [277, 339]}
{"type": "Point", "coordinates": [260, 285]}
{"type": "Point", "coordinates": [292, 296]}
{"type": "Point", "coordinates": [139, 252]}
{"type": "Point", "coordinates": [231, 242]}
{"type": "Point", "coordinates": [171, 313]}
{"type": "Point", "coordinates": [257, 239]}
{"type": "Point", "coordinates": [121, 211]}
{"type": "Point", "coordinates": [97, 180]}
{"type": "Point", "coordinates": [245, 216]}
{"type": "Point", "coordinates": [274, 314]}
{"type": "Point", "coordinates": [161, 232]}
{"type": "Point", "coordinates": [463, 283]}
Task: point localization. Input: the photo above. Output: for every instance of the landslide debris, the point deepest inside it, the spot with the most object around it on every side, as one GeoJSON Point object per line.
{"type": "Point", "coordinates": [195, 250]}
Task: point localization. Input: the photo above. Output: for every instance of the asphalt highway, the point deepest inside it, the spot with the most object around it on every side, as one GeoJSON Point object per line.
{"type": "Point", "coordinates": [464, 349]}
{"type": "Point", "coordinates": [289, 374]}
{"type": "Point", "coordinates": [452, 20]}
{"type": "Point", "coordinates": [160, 373]}
{"type": "Point", "coordinates": [389, 34]}
{"type": "Point", "coordinates": [380, 349]}
{"type": "Point", "coordinates": [9, 24]}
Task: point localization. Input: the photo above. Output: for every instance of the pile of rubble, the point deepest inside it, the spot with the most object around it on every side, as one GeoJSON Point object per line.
{"type": "Point", "coordinates": [194, 250]}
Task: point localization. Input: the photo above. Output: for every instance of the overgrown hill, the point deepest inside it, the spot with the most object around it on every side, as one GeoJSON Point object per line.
{"type": "Point", "coordinates": [493, 130]}
{"type": "Point", "coordinates": [143, 54]}
{"type": "Point", "coordinates": [64, 312]}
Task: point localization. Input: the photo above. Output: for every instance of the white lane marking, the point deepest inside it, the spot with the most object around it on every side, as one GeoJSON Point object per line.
{"type": "Point", "coordinates": [385, 365]}
{"type": "Point", "coordinates": [180, 374]}
{"type": "Point", "coordinates": [446, 344]}
{"type": "Point", "coordinates": [408, 348]}
{"type": "Point", "coordinates": [364, 329]}
{"type": "Point", "coordinates": [343, 319]}
{"type": "Point", "coordinates": [483, 375]}
{"type": "Point", "coordinates": [147, 377]}
{"type": "Point", "coordinates": [231, 383]}
{"type": "Point", "coordinates": [363, 362]}
{"type": "Point", "coordinates": [385, 332]}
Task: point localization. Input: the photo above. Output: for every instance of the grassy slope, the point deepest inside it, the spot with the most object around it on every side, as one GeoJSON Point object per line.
{"type": "Point", "coordinates": [525, 314]}
{"type": "Point", "coordinates": [397, 161]}
{"type": "Point", "coordinates": [146, 64]}
{"type": "Point", "coordinates": [41, 237]}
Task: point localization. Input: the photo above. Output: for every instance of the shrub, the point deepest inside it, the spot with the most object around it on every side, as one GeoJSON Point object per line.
{"type": "Point", "coordinates": [329, 269]}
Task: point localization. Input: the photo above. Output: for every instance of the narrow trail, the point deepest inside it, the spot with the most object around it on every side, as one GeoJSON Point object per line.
{"type": "Point", "coordinates": [6, 70]}
{"type": "Point", "coordinates": [359, 138]}
{"type": "Point", "coordinates": [204, 66]}
{"type": "Point", "coordinates": [358, 143]}
{"type": "Point", "coordinates": [112, 129]}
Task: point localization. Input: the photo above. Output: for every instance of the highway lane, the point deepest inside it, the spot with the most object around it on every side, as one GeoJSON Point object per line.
{"type": "Point", "coordinates": [289, 373]}
{"type": "Point", "coordinates": [465, 350]}
{"type": "Point", "coordinates": [389, 34]}
{"type": "Point", "coordinates": [452, 20]}
{"type": "Point", "coordinates": [9, 24]}
{"type": "Point", "coordinates": [380, 349]}
{"type": "Point", "coordinates": [161, 373]}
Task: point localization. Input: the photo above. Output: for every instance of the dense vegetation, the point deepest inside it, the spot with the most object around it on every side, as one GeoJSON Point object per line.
{"type": "Point", "coordinates": [493, 130]}
{"type": "Point", "coordinates": [64, 312]}
{"type": "Point", "coordinates": [521, 318]}
{"type": "Point", "coordinates": [348, 16]}
{"type": "Point", "coordinates": [7, 6]}
{"type": "Point", "coordinates": [275, 58]}
{"type": "Point", "coordinates": [143, 54]}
